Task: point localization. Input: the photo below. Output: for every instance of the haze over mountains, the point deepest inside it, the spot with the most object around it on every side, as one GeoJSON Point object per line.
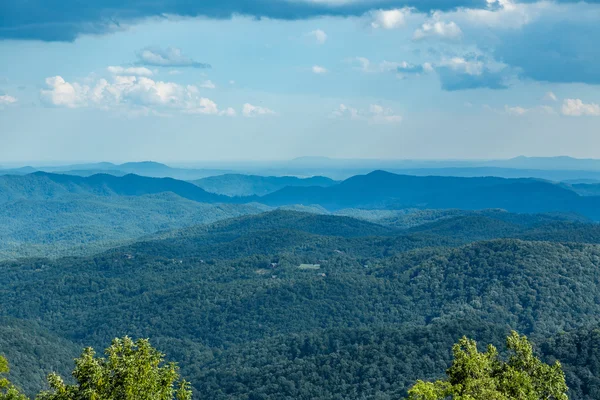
{"type": "Point", "coordinates": [551, 168]}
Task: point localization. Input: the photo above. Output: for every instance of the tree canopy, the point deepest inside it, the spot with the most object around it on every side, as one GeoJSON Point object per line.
{"type": "Point", "coordinates": [478, 375]}
{"type": "Point", "coordinates": [130, 371]}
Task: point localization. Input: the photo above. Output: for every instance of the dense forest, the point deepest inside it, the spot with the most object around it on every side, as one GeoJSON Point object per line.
{"type": "Point", "coordinates": [287, 304]}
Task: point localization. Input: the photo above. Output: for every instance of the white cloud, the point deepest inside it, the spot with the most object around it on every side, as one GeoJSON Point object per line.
{"type": "Point", "coordinates": [137, 71]}
{"type": "Point", "coordinates": [319, 35]}
{"type": "Point", "coordinates": [501, 14]}
{"type": "Point", "coordinates": [461, 65]}
{"type": "Point", "coordinates": [203, 106]}
{"type": "Point", "coordinates": [250, 110]}
{"type": "Point", "coordinates": [65, 94]}
{"type": "Point", "coordinates": [6, 100]}
{"type": "Point", "coordinates": [577, 108]}
{"type": "Point", "coordinates": [374, 114]}
{"type": "Point", "coordinates": [389, 19]}
{"type": "Point", "coordinates": [439, 29]}
{"type": "Point", "coordinates": [208, 84]}
{"type": "Point", "coordinates": [175, 72]}
{"type": "Point", "coordinates": [319, 70]}
{"type": "Point", "coordinates": [131, 93]}
{"type": "Point", "coordinates": [549, 96]}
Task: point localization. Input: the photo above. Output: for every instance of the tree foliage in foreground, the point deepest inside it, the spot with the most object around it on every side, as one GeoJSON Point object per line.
{"type": "Point", "coordinates": [484, 376]}
{"type": "Point", "coordinates": [7, 390]}
{"type": "Point", "coordinates": [130, 371]}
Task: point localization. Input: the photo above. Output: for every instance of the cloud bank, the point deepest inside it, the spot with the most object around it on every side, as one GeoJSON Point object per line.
{"type": "Point", "coordinates": [65, 20]}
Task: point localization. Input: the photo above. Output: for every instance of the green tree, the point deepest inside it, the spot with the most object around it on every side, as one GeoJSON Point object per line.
{"type": "Point", "coordinates": [484, 376]}
{"type": "Point", "coordinates": [130, 371]}
{"type": "Point", "coordinates": [7, 390]}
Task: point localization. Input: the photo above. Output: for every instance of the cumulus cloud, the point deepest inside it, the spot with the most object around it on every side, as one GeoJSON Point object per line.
{"type": "Point", "coordinates": [62, 93]}
{"type": "Point", "coordinates": [577, 108]}
{"type": "Point", "coordinates": [438, 29]}
{"type": "Point", "coordinates": [375, 113]}
{"type": "Point", "coordinates": [501, 14]}
{"type": "Point", "coordinates": [545, 41]}
{"type": "Point", "coordinates": [169, 57]}
{"type": "Point", "coordinates": [319, 70]}
{"type": "Point", "coordinates": [249, 110]}
{"type": "Point", "coordinates": [319, 35]}
{"type": "Point", "coordinates": [132, 92]}
{"type": "Point", "coordinates": [389, 19]}
{"type": "Point", "coordinates": [7, 100]}
{"type": "Point", "coordinates": [138, 71]}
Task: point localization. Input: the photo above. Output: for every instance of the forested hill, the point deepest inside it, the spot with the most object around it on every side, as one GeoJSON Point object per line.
{"type": "Point", "coordinates": [248, 185]}
{"type": "Point", "coordinates": [377, 190]}
{"type": "Point", "coordinates": [358, 311]}
{"type": "Point", "coordinates": [381, 189]}
{"type": "Point", "coordinates": [42, 186]}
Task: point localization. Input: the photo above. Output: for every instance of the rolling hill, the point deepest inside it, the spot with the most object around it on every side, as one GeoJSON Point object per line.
{"type": "Point", "coordinates": [84, 224]}
{"type": "Point", "coordinates": [247, 322]}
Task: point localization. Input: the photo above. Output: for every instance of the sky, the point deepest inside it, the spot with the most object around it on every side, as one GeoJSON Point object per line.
{"type": "Point", "coordinates": [215, 80]}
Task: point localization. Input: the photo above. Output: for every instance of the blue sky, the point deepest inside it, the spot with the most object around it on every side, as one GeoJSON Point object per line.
{"type": "Point", "coordinates": [277, 79]}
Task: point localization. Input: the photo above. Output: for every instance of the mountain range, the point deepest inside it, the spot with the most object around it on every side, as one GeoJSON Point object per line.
{"type": "Point", "coordinates": [550, 168]}
{"type": "Point", "coordinates": [376, 190]}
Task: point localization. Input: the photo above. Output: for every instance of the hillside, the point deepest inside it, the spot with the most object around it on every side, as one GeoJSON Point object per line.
{"type": "Point", "coordinates": [34, 352]}
{"type": "Point", "coordinates": [249, 185]}
{"type": "Point", "coordinates": [84, 224]}
{"type": "Point", "coordinates": [579, 351]}
{"type": "Point", "coordinates": [211, 296]}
